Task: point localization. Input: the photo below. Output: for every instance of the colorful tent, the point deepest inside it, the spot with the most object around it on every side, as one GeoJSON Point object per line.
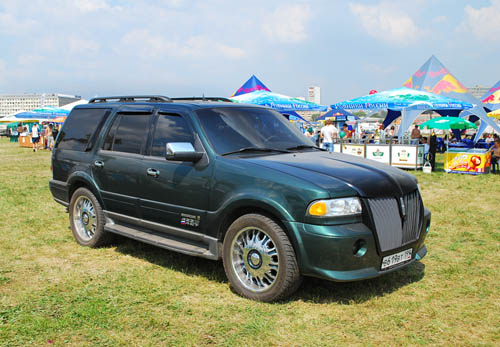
{"type": "Point", "coordinates": [339, 114]}
{"type": "Point", "coordinates": [52, 110]}
{"type": "Point", "coordinates": [250, 86]}
{"type": "Point", "coordinates": [403, 99]}
{"type": "Point", "coordinates": [279, 102]}
{"type": "Point", "coordinates": [491, 99]}
{"type": "Point", "coordinates": [435, 78]}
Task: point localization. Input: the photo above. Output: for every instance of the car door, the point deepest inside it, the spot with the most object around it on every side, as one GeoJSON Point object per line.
{"type": "Point", "coordinates": [117, 164]}
{"type": "Point", "coordinates": [174, 193]}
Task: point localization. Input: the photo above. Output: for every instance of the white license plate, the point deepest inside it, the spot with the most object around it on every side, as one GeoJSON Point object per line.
{"type": "Point", "coordinates": [397, 258]}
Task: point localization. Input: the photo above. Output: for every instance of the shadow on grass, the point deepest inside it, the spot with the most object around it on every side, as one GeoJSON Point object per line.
{"type": "Point", "coordinates": [322, 291]}
{"type": "Point", "coordinates": [312, 289]}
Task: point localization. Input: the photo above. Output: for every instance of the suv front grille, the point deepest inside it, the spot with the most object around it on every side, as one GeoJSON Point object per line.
{"type": "Point", "coordinates": [394, 230]}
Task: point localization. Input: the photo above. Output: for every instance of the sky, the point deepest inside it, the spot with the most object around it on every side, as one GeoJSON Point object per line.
{"type": "Point", "coordinates": [211, 47]}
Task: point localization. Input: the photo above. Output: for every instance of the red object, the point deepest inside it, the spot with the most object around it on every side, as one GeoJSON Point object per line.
{"type": "Point", "coordinates": [373, 91]}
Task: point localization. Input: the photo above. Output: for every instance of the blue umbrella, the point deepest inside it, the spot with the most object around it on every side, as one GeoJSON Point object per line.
{"type": "Point", "coordinates": [277, 101]}
{"type": "Point", "coordinates": [250, 86]}
{"type": "Point", "coordinates": [339, 114]}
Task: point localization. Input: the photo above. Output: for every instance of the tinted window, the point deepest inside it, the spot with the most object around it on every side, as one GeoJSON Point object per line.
{"type": "Point", "coordinates": [169, 128]}
{"type": "Point", "coordinates": [108, 141]}
{"type": "Point", "coordinates": [131, 133]}
{"type": "Point", "coordinates": [230, 129]}
{"type": "Point", "coordinates": [79, 130]}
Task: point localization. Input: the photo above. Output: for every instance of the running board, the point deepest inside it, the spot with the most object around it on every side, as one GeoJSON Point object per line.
{"type": "Point", "coordinates": [207, 249]}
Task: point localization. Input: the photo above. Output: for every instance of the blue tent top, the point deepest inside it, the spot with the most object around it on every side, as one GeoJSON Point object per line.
{"type": "Point", "coordinates": [292, 115]}
{"type": "Point", "coordinates": [491, 98]}
{"type": "Point", "coordinates": [251, 85]}
{"type": "Point", "coordinates": [37, 115]}
{"type": "Point", "coordinates": [279, 102]}
{"type": "Point", "coordinates": [340, 114]}
{"type": "Point", "coordinates": [403, 98]}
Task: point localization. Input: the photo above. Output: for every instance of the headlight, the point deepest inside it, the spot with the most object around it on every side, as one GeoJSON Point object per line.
{"type": "Point", "coordinates": [335, 207]}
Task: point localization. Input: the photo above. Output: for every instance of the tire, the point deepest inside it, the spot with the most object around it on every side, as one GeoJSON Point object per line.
{"type": "Point", "coordinates": [259, 259]}
{"type": "Point", "coordinates": [87, 219]}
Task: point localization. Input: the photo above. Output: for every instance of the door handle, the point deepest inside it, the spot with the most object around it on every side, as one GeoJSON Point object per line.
{"type": "Point", "coordinates": [98, 163]}
{"type": "Point", "coordinates": [153, 172]}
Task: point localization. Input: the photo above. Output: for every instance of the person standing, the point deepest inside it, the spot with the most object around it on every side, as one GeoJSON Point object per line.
{"type": "Point", "coordinates": [495, 155]}
{"type": "Point", "coordinates": [327, 134]}
{"type": "Point", "coordinates": [50, 137]}
{"type": "Point", "coordinates": [415, 135]}
{"type": "Point", "coordinates": [35, 137]}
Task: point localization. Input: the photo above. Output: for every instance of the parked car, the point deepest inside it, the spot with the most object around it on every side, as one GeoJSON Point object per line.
{"type": "Point", "coordinates": [238, 182]}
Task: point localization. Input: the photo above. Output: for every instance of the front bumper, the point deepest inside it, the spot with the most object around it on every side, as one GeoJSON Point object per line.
{"type": "Point", "coordinates": [334, 253]}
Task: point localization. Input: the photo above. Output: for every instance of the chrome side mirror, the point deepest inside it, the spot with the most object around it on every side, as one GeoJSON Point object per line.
{"type": "Point", "coordinates": [182, 151]}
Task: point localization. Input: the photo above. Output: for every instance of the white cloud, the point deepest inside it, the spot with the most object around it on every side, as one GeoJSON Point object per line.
{"type": "Point", "coordinates": [91, 5]}
{"type": "Point", "coordinates": [440, 20]}
{"type": "Point", "coordinates": [288, 23]}
{"type": "Point", "coordinates": [195, 47]}
{"type": "Point", "coordinates": [483, 22]}
{"type": "Point", "coordinates": [386, 22]}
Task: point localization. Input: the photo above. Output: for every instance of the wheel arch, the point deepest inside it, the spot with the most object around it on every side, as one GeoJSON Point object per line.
{"type": "Point", "coordinates": [82, 180]}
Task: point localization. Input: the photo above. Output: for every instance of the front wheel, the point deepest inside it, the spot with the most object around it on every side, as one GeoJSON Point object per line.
{"type": "Point", "coordinates": [259, 259]}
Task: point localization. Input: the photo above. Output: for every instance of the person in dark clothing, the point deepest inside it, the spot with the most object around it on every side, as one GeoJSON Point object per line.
{"type": "Point", "coordinates": [432, 150]}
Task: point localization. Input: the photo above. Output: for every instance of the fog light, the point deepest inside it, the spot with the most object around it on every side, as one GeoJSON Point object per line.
{"type": "Point", "coordinates": [359, 248]}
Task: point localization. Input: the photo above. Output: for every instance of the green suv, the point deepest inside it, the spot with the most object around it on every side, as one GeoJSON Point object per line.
{"type": "Point", "coordinates": [215, 179]}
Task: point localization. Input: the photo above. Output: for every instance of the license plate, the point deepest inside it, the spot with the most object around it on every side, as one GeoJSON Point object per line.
{"type": "Point", "coordinates": [395, 259]}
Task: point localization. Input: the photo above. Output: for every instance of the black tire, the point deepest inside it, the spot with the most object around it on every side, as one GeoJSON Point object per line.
{"type": "Point", "coordinates": [99, 237]}
{"type": "Point", "coordinates": [266, 286]}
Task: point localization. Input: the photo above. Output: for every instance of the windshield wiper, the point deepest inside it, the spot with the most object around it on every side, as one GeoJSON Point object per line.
{"type": "Point", "coordinates": [305, 147]}
{"type": "Point", "coordinates": [256, 149]}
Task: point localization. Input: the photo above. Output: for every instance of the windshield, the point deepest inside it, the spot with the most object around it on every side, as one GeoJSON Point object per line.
{"type": "Point", "coordinates": [231, 129]}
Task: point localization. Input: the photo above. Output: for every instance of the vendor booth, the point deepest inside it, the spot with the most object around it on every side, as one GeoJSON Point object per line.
{"type": "Point", "coordinates": [473, 161]}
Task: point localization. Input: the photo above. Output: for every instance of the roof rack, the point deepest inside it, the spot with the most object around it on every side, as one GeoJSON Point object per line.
{"type": "Point", "coordinates": [131, 98]}
{"type": "Point", "coordinates": [201, 98]}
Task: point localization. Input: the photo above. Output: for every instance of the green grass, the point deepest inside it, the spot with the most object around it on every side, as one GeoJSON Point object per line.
{"type": "Point", "coordinates": [55, 291]}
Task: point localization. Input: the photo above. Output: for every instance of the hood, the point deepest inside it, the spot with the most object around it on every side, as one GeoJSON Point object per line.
{"type": "Point", "coordinates": [367, 177]}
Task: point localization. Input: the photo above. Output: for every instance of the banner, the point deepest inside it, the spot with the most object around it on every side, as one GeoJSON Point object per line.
{"type": "Point", "coordinates": [380, 153]}
{"type": "Point", "coordinates": [407, 156]}
{"type": "Point", "coordinates": [468, 163]}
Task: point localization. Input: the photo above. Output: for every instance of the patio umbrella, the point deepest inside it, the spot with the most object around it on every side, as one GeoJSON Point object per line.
{"type": "Point", "coordinates": [447, 123]}
{"type": "Point", "coordinates": [52, 110]}
{"type": "Point", "coordinates": [277, 101]}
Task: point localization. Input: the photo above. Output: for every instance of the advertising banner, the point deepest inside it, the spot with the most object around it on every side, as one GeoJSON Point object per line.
{"type": "Point", "coordinates": [406, 156]}
{"type": "Point", "coordinates": [336, 147]}
{"type": "Point", "coordinates": [468, 163]}
{"type": "Point", "coordinates": [357, 150]}
{"type": "Point", "coordinates": [380, 153]}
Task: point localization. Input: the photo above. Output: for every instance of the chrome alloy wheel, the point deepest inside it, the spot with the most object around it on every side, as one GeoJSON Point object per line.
{"type": "Point", "coordinates": [84, 218]}
{"type": "Point", "coordinates": [255, 259]}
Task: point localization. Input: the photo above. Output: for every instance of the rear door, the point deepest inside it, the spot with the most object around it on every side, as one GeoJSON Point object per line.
{"type": "Point", "coordinates": [117, 166]}
{"type": "Point", "coordinates": [178, 195]}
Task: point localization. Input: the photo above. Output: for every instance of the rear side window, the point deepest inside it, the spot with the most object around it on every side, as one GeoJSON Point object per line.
{"type": "Point", "coordinates": [128, 133]}
{"type": "Point", "coordinates": [169, 128]}
{"type": "Point", "coordinates": [80, 129]}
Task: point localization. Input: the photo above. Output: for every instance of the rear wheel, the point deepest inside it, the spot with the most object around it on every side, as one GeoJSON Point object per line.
{"type": "Point", "coordinates": [87, 219]}
{"type": "Point", "coordinates": [259, 259]}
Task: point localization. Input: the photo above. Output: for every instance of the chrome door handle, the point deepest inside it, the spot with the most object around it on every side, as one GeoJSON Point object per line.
{"type": "Point", "coordinates": [98, 163]}
{"type": "Point", "coordinates": [153, 172]}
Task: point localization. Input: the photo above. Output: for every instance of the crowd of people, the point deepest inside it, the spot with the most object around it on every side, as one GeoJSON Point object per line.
{"type": "Point", "coordinates": [48, 132]}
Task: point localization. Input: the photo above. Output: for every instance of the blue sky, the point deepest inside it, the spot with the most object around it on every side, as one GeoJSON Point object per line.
{"type": "Point", "coordinates": [179, 48]}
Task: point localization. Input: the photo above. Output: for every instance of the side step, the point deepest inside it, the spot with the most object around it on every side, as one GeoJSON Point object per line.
{"type": "Point", "coordinates": [163, 240]}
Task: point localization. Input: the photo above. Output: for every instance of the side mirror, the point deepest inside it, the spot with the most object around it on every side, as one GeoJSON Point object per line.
{"type": "Point", "coordinates": [182, 151]}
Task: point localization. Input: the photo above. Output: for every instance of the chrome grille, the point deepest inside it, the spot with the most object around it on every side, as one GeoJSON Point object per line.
{"type": "Point", "coordinates": [392, 229]}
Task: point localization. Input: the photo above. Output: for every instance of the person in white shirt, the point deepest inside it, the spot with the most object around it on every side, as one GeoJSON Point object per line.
{"type": "Point", "coordinates": [328, 133]}
{"type": "Point", "coordinates": [35, 136]}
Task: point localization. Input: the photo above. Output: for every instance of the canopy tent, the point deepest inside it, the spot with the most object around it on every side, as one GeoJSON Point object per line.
{"type": "Point", "coordinates": [339, 114]}
{"type": "Point", "coordinates": [70, 106]}
{"type": "Point", "coordinates": [292, 115]}
{"type": "Point", "coordinates": [279, 102]}
{"type": "Point", "coordinates": [491, 99]}
{"type": "Point", "coordinates": [57, 111]}
{"type": "Point", "coordinates": [495, 114]}
{"type": "Point", "coordinates": [435, 78]}
{"type": "Point", "coordinates": [29, 116]}
{"type": "Point", "coordinates": [403, 101]}
{"type": "Point", "coordinates": [253, 84]}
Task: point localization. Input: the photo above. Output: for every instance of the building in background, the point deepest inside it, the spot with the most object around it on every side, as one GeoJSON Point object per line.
{"type": "Point", "coordinates": [314, 94]}
{"type": "Point", "coordinates": [13, 103]}
{"type": "Point", "coordinates": [478, 91]}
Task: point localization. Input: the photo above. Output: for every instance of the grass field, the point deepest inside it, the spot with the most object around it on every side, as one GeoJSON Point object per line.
{"type": "Point", "coordinates": [53, 291]}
